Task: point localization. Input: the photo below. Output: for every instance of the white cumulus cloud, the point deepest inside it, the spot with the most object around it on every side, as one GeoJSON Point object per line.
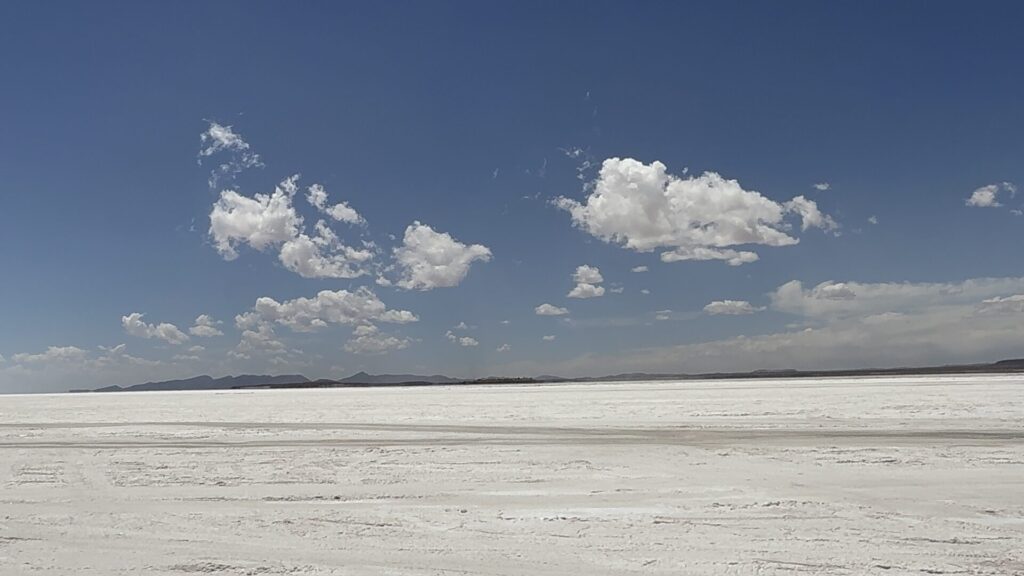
{"type": "Point", "coordinates": [550, 310]}
{"type": "Point", "coordinates": [464, 341]}
{"type": "Point", "coordinates": [586, 291]}
{"type": "Point", "coordinates": [134, 325]}
{"type": "Point", "coordinates": [643, 208]}
{"type": "Point", "coordinates": [368, 340]}
{"type": "Point", "coordinates": [316, 195]}
{"type": "Point", "coordinates": [323, 255]}
{"type": "Point", "coordinates": [360, 306]}
{"type": "Point", "coordinates": [988, 196]}
{"type": "Point", "coordinates": [810, 215]}
{"type": "Point", "coordinates": [270, 221]}
{"type": "Point", "coordinates": [587, 275]}
{"type": "Point", "coordinates": [429, 259]}
{"type": "Point", "coordinates": [587, 279]}
{"type": "Point", "coordinates": [257, 338]}
{"type": "Point", "coordinates": [731, 307]}
{"type": "Point", "coordinates": [205, 327]}
{"type": "Point", "coordinates": [53, 354]}
{"type": "Point", "coordinates": [262, 221]}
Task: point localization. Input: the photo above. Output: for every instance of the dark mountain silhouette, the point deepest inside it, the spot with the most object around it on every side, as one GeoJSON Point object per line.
{"type": "Point", "coordinates": [210, 383]}
{"type": "Point", "coordinates": [1002, 366]}
{"type": "Point", "coordinates": [550, 378]}
{"type": "Point", "coordinates": [362, 379]}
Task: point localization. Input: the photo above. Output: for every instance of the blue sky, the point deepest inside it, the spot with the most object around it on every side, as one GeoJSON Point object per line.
{"type": "Point", "coordinates": [523, 138]}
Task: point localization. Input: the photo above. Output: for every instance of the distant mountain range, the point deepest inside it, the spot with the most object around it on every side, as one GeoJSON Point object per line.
{"type": "Point", "coordinates": [362, 379]}
{"type": "Point", "coordinates": [281, 381]}
{"type": "Point", "coordinates": [207, 383]}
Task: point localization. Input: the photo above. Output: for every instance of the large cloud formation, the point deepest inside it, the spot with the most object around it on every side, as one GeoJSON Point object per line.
{"type": "Point", "coordinates": [836, 300]}
{"type": "Point", "coordinates": [426, 259]}
{"type": "Point", "coordinates": [841, 325]}
{"type": "Point", "coordinates": [328, 307]}
{"type": "Point", "coordinates": [268, 221]}
{"type": "Point", "coordinates": [360, 308]}
{"type": "Point", "coordinates": [429, 259]}
{"type": "Point", "coordinates": [643, 208]}
{"type": "Point", "coordinates": [368, 340]}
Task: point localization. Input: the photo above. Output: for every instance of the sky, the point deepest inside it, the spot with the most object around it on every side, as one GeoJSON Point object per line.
{"type": "Point", "coordinates": [517, 188]}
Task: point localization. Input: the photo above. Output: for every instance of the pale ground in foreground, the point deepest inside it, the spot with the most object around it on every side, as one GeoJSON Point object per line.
{"type": "Point", "coordinates": [843, 476]}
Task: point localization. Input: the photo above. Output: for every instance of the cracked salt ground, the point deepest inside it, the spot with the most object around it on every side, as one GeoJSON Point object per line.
{"type": "Point", "coordinates": [840, 476]}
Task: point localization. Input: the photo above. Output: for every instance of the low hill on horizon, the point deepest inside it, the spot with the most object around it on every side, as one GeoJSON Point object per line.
{"type": "Point", "coordinates": [364, 378]}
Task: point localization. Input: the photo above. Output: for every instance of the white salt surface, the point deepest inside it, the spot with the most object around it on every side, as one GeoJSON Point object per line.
{"type": "Point", "coordinates": [921, 475]}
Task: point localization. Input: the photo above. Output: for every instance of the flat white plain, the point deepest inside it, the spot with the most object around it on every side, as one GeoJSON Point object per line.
{"type": "Point", "coordinates": [825, 476]}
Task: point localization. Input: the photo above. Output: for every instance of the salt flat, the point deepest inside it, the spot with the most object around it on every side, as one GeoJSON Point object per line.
{"type": "Point", "coordinates": [907, 475]}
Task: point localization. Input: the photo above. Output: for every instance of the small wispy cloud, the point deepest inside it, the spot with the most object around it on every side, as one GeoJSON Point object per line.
{"type": "Point", "coordinates": [464, 341]}
{"type": "Point", "coordinates": [584, 161]}
{"type": "Point", "coordinates": [220, 139]}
